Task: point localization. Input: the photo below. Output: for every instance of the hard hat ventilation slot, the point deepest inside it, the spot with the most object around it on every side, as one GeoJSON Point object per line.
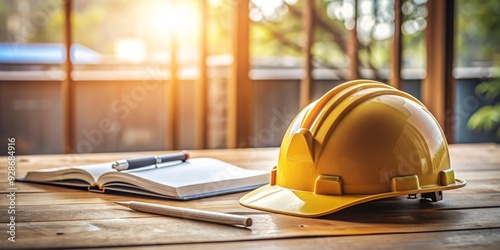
{"type": "Point", "coordinates": [301, 146]}
{"type": "Point", "coordinates": [328, 185]}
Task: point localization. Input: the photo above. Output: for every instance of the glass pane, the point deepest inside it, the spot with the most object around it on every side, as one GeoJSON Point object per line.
{"type": "Point", "coordinates": [31, 57]}
{"type": "Point", "coordinates": [31, 38]}
{"type": "Point", "coordinates": [477, 36]}
{"type": "Point", "coordinates": [477, 57]}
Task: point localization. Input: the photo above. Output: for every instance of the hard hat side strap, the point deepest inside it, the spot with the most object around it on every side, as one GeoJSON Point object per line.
{"type": "Point", "coordinates": [328, 185]}
{"type": "Point", "coordinates": [405, 183]}
{"type": "Point", "coordinates": [446, 177]}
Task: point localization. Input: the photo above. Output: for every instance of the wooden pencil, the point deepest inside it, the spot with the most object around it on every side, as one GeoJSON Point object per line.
{"type": "Point", "coordinates": [188, 213]}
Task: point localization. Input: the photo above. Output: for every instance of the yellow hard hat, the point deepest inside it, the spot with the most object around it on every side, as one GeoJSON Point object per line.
{"type": "Point", "coordinates": [361, 141]}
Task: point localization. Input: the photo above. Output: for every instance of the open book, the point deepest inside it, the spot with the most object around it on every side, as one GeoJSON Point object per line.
{"type": "Point", "coordinates": [194, 178]}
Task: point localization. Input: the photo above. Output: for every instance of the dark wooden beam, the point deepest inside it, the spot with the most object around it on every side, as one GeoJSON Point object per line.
{"type": "Point", "coordinates": [240, 89]}
{"type": "Point", "coordinates": [352, 47]}
{"type": "Point", "coordinates": [67, 88]}
{"type": "Point", "coordinates": [438, 88]}
{"type": "Point", "coordinates": [307, 81]}
{"type": "Point", "coordinates": [202, 83]}
{"type": "Point", "coordinates": [395, 79]}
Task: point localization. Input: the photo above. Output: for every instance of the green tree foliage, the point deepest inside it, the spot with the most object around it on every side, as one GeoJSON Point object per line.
{"type": "Point", "coordinates": [5, 8]}
{"type": "Point", "coordinates": [477, 32]}
{"type": "Point", "coordinates": [281, 33]}
{"type": "Point", "coordinates": [487, 118]}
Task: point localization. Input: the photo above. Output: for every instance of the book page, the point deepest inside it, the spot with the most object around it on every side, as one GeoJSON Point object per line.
{"type": "Point", "coordinates": [87, 173]}
{"type": "Point", "coordinates": [96, 170]}
{"type": "Point", "coordinates": [193, 172]}
{"type": "Point", "coordinates": [195, 176]}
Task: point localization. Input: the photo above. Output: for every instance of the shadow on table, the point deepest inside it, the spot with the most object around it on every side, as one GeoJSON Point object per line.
{"type": "Point", "coordinates": [396, 210]}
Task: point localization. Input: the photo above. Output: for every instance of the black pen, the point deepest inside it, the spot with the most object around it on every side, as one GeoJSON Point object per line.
{"type": "Point", "coordinates": [139, 162]}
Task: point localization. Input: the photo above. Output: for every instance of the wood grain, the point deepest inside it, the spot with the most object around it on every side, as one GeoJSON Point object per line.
{"type": "Point", "coordinates": [473, 239]}
{"type": "Point", "coordinates": [58, 217]}
{"type": "Point", "coordinates": [152, 230]}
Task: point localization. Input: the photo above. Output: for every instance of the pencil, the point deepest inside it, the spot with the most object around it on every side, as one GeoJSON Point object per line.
{"type": "Point", "coordinates": [188, 213]}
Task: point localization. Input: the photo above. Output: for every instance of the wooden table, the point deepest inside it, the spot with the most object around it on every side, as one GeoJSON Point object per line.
{"type": "Point", "coordinates": [58, 217]}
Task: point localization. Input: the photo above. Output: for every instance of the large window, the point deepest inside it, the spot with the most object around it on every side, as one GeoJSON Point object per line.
{"type": "Point", "coordinates": [130, 59]}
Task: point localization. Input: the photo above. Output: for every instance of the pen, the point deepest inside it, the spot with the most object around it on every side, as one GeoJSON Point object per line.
{"type": "Point", "coordinates": [188, 213]}
{"type": "Point", "coordinates": [139, 162]}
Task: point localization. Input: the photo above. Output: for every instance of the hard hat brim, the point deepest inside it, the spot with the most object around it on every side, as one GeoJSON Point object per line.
{"type": "Point", "coordinates": [308, 204]}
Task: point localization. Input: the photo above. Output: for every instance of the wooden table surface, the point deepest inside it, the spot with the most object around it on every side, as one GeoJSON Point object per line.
{"type": "Point", "coordinates": [58, 217]}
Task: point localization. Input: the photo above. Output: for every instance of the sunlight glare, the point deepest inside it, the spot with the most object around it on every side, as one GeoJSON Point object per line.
{"type": "Point", "coordinates": [348, 10]}
{"type": "Point", "coordinates": [410, 27]}
{"type": "Point", "coordinates": [167, 19]}
{"type": "Point", "coordinates": [366, 24]}
{"type": "Point", "coordinates": [215, 2]}
{"type": "Point", "coordinates": [383, 31]}
{"type": "Point", "coordinates": [365, 7]}
{"type": "Point", "coordinates": [268, 8]}
{"type": "Point", "coordinates": [131, 50]}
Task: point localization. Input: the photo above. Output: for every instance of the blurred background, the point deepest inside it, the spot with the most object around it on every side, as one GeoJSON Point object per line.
{"type": "Point", "coordinates": [82, 76]}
